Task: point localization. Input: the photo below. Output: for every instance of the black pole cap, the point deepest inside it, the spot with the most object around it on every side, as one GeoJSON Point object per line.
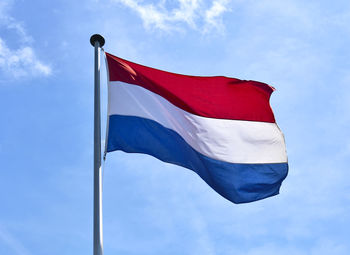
{"type": "Point", "coordinates": [97, 37]}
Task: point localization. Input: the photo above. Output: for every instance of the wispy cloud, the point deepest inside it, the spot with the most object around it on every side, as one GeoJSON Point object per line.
{"type": "Point", "coordinates": [167, 16]}
{"type": "Point", "coordinates": [213, 16]}
{"type": "Point", "coordinates": [20, 61]}
{"type": "Point", "coordinates": [12, 242]}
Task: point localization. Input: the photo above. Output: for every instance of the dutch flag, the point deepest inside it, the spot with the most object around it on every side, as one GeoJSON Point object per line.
{"type": "Point", "coordinates": [221, 128]}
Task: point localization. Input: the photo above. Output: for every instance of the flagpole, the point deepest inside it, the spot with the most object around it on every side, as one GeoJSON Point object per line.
{"type": "Point", "coordinates": [97, 41]}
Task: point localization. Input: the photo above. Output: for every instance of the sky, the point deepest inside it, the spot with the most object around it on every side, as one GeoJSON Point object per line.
{"type": "Point", "coordinates": [150, 207]}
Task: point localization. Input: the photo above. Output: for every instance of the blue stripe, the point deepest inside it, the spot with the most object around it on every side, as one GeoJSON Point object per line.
{"type": "Point", "coordinates": [239, 183]}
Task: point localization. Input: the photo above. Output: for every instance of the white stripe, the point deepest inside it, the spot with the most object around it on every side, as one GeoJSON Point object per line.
{"type": "Point", "coordinates": [232, 141]}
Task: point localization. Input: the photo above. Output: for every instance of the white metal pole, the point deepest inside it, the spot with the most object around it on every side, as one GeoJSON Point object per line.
{"type": "Point", "coordinates": [97, 41]}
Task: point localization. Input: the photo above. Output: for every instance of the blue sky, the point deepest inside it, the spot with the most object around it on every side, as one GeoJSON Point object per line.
{"type": "Point", "coordinates": [46, 90]}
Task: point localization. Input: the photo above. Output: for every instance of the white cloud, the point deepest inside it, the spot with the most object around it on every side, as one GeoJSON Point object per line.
{"type": "Point", "coordinates": [213, 16]}
{"type": "Point", "coordinates": [187, 12]}
{"type": "Point", "coordinates": [193, 13]}
{"type": "Point", "coordinates": [21, 61]}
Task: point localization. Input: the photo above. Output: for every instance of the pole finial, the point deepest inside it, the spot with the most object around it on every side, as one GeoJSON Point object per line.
{"type": "Point", "coordinates": [97, 37]}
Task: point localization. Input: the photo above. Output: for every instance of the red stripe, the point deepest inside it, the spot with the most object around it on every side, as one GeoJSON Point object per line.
{"type": "Point", "coordinates": [214, 97]}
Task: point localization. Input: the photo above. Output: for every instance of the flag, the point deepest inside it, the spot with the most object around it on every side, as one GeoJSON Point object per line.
{"type": "Point", "coordinates": [221, 128]}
